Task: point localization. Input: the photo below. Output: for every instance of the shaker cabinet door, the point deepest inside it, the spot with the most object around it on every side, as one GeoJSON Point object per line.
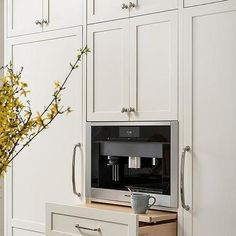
{"type": "Point", "coordinates": [24, 17]}
{"type": "Point", "coordinates": [108, 71]}
{"type": "Point", "coordinates": [141, 7]}
{"type": "Point", "coordinates": [104, 10]}
{"type": "Point", "coordinates": [42, 173]}
{"type": "Point", "coordinates": [209, 115]}
{"type": "Point", "coordinates": [153, 67]}
{"type": "Point", "coordinates": [62, 14]}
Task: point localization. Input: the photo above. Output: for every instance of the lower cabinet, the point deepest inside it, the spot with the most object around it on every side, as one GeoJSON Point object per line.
{"type": "Point", "coordinates": [42, 172]}
{"type": "Point", "coordinates": [88, 220]}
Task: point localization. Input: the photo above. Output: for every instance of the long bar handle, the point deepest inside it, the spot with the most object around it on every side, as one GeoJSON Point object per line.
{"type": "Point", "coordinates": [78, 145]}
{"type": "Point", "coordinates": [182, 191]}
{"type": "Point", "coordinates": [86, 228]}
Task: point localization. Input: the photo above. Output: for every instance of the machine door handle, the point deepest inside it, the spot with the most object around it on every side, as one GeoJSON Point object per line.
{"type": "Point", "coordinates": [78, 145]}
{"type": "Point", "coordinates": [182, 191]}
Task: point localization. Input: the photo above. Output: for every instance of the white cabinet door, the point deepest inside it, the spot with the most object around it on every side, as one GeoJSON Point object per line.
{"type": "Point", "coordinates": [153, 67]}
{"type": "Point", "coordinates": [86, 221]}
{"type": "Point", "coordinates": [22, 16]}
{"type": "Point", "coordinates": [104, 10]}
{"type": "Point", "coordinates": [108, 71]}
{"type": "Point", "coordinates": [141, 7]}
{"type": "Point", "coordinates": [209, 116]}
{"type": "Point", "coordinates": [62, 14]}
{"type": "Point", "coordinates": [42, 173]}
{"type": "Point", "coordinates": [189, 3]}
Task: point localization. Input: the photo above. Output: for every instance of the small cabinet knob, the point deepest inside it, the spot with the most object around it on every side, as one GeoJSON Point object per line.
{"type": "Point", "coordinates": [123, 110]}
{"type": "Point", "coordinates": [131, 5]}
{"type": "Point", "coordinates": [124, 6]}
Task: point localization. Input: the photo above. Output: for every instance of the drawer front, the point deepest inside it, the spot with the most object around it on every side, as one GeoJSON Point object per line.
{"type": "Point", "coordinates": [85, 226]}
{"type": "Point", "coordinates": [72, 221]}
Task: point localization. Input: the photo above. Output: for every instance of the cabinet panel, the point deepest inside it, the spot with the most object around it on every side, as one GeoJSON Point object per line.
{"type": "Point", "coordinates": [62, 14]}
{"type": "Point", "coordinates": [189, 3]}
{"type": "Point", "coordinates": [45, 167]}
{"type": "Point", "coordinates": [22, 16]}
{"type": "Point", "coordinates": [152, 6]}
{"type": "Point", "coordinates": [108, 71]}
{"type": "Point", "coordinates": [209, 120]}
{"type": "Point", "coordinates": [153, 67]}
{"type": "Point", "coordinates": [103, 10]}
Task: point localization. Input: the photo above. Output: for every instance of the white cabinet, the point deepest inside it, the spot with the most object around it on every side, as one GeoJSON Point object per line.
{"type": "Point", "coordinates": [132, 70]}
{"type": "Point", "coordinates": [105, 10]}
{"type": "Point", "coordinates": [42, 172]}
{"type": "Point", "coordinates": [190, 3]}
{"type": "Point", "coordinates": [153, 67]}
{"type": "Point", "coordinates": [27, 17]}
{"type": "Point", "coordinates": [106, 220]}
{"type": "Point", "coordinates": [108, 71]}
{"type": "Point", "coordinates": [82, 220]}
{"type": "Point", "coordinates": [209, 119]}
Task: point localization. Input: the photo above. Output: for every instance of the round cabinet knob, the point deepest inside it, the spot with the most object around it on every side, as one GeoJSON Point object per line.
{"type": "Point", "coordinates": [38, 22]}
{"type": "Point", "coordinates": [131, 109]}
{"type": "Point", "coordinates": [124, 6]}
{"type": "Point", "coordinates": [131, 5]}
{"type": "Point", "coordinates": [123, 110]}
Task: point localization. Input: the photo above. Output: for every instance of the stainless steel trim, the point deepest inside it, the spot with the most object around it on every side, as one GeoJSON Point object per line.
{"type": "Point", "coordinates": [115, 195]}
{"type": "Point", "coordinates": [78, 145]}
{"type": "Point", "coordinates": [182, 191]}
{"type": "Point", "coordinates": [86, 228]}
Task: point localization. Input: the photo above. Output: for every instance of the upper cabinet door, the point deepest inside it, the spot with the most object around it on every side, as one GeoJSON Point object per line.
{"type": "Point", "coordinates": [153, 67]}
{"type": "Point", "coordinates": [140, 7]}
{"type": "Point", "coordinates": [62, 14]}
{"type": "Point", "coordinates": [108, 71]}
{"type": "Point", "coordinates": [190, 3]}
{"type": "Point", "coordinates": [104, 10]}
{"type": "Point", "coordinates": [24, 17]}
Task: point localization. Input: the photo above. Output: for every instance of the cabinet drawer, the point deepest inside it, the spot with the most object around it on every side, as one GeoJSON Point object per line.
{"type": "Point", "coordinates": [71, 225]}
{"type": "Point", "coordinates": [81, 220]}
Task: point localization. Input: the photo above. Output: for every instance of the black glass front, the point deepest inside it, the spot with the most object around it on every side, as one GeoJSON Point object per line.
{"type": "Point", "coordinates": [135, 157]}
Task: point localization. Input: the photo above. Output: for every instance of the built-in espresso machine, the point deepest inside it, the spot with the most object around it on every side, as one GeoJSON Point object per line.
{"type": "Point", "coordinates": [142, 157]}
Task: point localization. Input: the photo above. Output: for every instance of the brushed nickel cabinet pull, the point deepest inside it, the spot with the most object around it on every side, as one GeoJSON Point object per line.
{"type": "Point", "coordinates": [123, 110]}
{"type": "Point", "coordinates": [78, 145]}
{"type": "Point", "coordinates": [182, 190]}
{"type": "Point", "coordinates": [131, 109]}
{"type": "Point", "coordinates": [45, 22]}
{"type": "Point", "coordinates": [124, 6]}
{"type": "Point", "coordinates": [131, 5]}
{"type": "Point", "coordinates": [86, 228]}
{"type": "Point", "coordinates": [38, 22]}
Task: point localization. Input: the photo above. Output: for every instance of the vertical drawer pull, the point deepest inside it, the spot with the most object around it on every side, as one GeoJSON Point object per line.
{"type": "Point", "coordinates": [78, 145]}
{"type": "Point", "coordinates": [182, 191]}
{"type": "Point", "coordinates": [86, 228]}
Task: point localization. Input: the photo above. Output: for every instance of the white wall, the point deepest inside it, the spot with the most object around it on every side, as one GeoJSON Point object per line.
{"type": "Point", "coordinates": [1, 63]}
